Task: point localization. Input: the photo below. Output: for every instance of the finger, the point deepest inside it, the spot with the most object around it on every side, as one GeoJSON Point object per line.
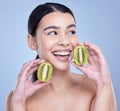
{"type": "Point", "coordinates": [33, 67]}
{"type": "Point", "coordinates": [26, 64]}
{"type": "Point", "coordinates": [31, 72]}
{"type": "Point", "coordinates": [81, 68]}
{"type": "Point", "coordinates": [80, 43]}
{"type": "Point", "coordinates": [41, 83]}
{"type": "Point", "coordinates": [91, 52]}
{"type": "Point", "coordinates": [25, 71]}
{"type": "Point", "coordinates": [90, 60]}
{"type": "Point", "coordinates": [93, 49]}
{"type": "Point", "coordinates": [98, 56]}
{"type": "Point", "coordinates": [38, 85]}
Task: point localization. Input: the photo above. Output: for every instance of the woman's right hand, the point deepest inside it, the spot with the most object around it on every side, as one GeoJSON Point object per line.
{"type": "Point", "coordinates": [25, 88]}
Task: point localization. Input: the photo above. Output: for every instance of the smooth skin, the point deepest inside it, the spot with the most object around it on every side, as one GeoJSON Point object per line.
{"type": "Point", "coordinates": [91, 91]}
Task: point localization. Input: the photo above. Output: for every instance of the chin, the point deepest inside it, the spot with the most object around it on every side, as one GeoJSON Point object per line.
{"type": "Point", "coordinates": [62, 66]}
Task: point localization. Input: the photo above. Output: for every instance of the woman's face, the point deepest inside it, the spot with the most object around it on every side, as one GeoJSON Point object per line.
{"type": "Point", "coordinates": [56, 38]}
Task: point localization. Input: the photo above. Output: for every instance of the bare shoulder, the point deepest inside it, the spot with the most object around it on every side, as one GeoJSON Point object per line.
{"type": "Point", "coordinates": [84, 83]}
{"type": "Point", "coordinates": [8, 101]}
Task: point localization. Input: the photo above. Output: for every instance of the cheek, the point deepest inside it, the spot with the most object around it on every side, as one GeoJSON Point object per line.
{"type": "Point", "coordinates": [46, 48]}
{"type": "Point", "coordinates": [74, 41]}
{"type": "Point", "coordinates": [47, 45]}
{"type": "Point", "coordinates": [42, 49]}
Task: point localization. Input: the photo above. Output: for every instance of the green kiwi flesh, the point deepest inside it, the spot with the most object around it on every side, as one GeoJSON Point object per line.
{"type": "Point", "coordinates": [80, 55]}
{"type": "Point", "coordinates": [44, 72]}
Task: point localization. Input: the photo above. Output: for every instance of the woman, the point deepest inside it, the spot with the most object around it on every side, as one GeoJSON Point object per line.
{"type": "Point", "coordinates": [52, 34]}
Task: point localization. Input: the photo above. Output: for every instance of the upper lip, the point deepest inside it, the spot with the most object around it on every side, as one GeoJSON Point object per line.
{"type": "Point", "coordinates": [62, 52]}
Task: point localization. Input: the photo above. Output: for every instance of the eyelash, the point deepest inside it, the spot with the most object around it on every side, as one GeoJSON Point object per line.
{"type": "Point", "coordinates": [69, 33]}
{"type": "Point", "coordinates": [72, 32]}
{"type": "Point", "coordinates": [52, 33]}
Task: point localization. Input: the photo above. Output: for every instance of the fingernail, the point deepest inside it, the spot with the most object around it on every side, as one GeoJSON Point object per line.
{"type": "Point", "coordinates": [42, 60]}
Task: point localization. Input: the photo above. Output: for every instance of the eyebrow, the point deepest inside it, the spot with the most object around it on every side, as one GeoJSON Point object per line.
{"type": "Point", "coordinates": [72, 25]}
{"type": "Point", "coordinates": [51, 27]}
{"type": "Point", "coordinates": [57, 27]}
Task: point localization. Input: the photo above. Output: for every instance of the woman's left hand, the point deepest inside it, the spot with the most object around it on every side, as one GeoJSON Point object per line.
{"type": "Point", "coordinates": [97, 68]}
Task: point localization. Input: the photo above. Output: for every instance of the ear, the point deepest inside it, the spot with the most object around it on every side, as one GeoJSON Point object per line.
{"type": "Point", "coordinates": [32, 42]}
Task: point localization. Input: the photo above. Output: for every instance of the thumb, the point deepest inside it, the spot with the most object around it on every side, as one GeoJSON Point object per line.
{"type": "Point", "coordinates": [41, 84]}
{"type": "Point", "coordinates": [38, 84]}
{"type": "Point", "coordinates": [81, 68]}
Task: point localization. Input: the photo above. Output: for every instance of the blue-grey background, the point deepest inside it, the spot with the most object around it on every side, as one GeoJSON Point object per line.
{"type": "Point", "coordinates": [98, 21]}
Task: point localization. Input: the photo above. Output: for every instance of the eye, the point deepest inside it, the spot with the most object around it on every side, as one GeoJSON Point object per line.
{"type": "Point", "coordinates": [52, 33]}
{"type": "Point", "coordinates": [72, 32]}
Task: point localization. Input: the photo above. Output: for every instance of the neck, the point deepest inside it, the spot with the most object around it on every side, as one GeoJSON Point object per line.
{"type": "Point", "coordinates": [61, 80]}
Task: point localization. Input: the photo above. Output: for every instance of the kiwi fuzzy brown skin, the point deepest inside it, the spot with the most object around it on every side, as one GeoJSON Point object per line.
{"type": "Point", "coordinates": [80, 55]}
{"type": "Point", "coordinates": [44, 72]}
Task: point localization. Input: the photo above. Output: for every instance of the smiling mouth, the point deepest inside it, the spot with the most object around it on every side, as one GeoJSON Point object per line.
{"type": "Point", "coordinates": [62, 55]}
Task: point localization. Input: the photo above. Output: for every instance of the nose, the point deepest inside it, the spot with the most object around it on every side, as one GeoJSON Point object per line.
{"type": "Point", "coordinates": [64, 41]}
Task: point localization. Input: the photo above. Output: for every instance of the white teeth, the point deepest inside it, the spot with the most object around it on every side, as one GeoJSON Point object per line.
{"type": "Point", "coordinates": [65, 53]}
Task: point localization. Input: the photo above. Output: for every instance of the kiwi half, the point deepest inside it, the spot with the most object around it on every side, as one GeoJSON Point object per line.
{"type": "Point", "coordinates": [80, 55]}
{"type": "Point", "coordinates": [44, 72]}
